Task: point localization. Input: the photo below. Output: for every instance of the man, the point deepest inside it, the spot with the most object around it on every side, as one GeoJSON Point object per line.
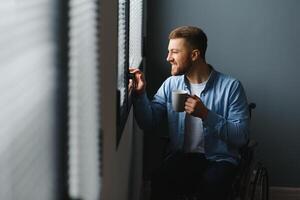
{"type": "Point", "coordinates": [205, 139]}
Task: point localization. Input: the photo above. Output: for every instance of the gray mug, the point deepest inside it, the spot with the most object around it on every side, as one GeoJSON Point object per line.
{"type": "Point", "coordinates": [178, 100]}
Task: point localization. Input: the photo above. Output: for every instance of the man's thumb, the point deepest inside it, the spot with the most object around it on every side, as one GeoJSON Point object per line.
{"type": "Point", "coordinates": [195, 97]}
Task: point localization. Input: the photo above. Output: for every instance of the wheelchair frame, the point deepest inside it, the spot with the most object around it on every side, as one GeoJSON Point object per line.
{"type": "Point", "coordinates": [251, 181]}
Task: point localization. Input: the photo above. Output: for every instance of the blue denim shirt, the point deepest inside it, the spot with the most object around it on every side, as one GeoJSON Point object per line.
{"type": "Point", "coordinates": [226, 127]}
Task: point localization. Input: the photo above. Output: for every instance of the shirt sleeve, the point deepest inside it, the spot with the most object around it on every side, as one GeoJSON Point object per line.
{"type": "Point", "coordinates": [234, 129]}
{"type": "Point", "coordinates": [149, 113]}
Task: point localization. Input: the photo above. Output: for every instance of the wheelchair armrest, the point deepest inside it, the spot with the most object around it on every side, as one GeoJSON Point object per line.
{"type": "Point", "coordinates": [247, 150]}
{"type": "Point", "coordinates": [251, 106]}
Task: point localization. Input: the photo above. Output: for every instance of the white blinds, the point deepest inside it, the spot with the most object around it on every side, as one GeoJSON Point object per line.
{"type": "Point", "coordinates": [135, 32]}
{"type": "Point", "coordinates": [84, 172]}
{"type": "Point", "coordinates": [129, 39]}
{"type": "Point", "coordinates": [129, 53]}
{"type": "Point", "coordinates": [27, 100]}
{"type": "Point", "coordinates": [122, 48]}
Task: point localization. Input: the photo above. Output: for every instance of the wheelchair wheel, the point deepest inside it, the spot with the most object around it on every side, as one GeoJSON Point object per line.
{"type": "Point", "coordinates": [259, 188]}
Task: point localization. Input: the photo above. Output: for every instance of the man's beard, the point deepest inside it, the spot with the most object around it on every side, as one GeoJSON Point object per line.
{"type": "Point", "coordinates": [182, 70]}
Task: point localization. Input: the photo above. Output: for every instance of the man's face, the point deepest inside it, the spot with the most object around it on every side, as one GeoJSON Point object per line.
{"type": "Point", "coordinates": [179, 56]}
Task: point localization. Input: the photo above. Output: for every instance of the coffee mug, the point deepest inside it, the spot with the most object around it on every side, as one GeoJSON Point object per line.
{"type": "Point", "coordinates": [178, 100]}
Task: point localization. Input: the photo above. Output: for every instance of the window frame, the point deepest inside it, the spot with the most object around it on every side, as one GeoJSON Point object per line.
{"type": "Point", "coordinates": [123, 109]}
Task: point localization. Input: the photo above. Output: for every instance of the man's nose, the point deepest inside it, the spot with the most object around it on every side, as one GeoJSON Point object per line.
{"type": "Point", "coordinates": [169, 58]}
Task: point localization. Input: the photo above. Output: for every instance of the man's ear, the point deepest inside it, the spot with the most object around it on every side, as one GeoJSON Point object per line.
{"type": "Point", "coordinates": [195, 54]}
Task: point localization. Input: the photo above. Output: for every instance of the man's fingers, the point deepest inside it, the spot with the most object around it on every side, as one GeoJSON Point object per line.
{"type": "Point", "coordinates": [137, 73]}
{"type": "Point", "coordinates": [134, 70]}
{"type": "Point", "coordinates": [191, 99]}
{"type": "Point", "coordinates": [195, 97]}
{"type": "Point", "coordinates": [189, 104]}
{"type": "Point", "coordinates": [138, 76]}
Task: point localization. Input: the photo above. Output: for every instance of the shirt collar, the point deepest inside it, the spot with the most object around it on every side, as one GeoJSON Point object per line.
{"type": "Point", "coordinates": [210, 81]}
{"type": "Point", "coordinates": [212, 77]}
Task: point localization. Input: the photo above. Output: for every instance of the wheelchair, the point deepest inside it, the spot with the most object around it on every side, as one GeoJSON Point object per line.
{"type": "Point", "coordinates": [251, 181]}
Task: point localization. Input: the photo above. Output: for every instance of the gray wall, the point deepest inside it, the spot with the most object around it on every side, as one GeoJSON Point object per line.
{"type": "Point", "coordinates": [256, 41]}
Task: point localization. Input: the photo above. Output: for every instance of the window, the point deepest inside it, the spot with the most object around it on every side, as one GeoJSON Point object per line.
{"type": "Point", "coordinates": [123, 63]}
{"type": "Point", "coordinates": [84, 127]}
{"type": "Point", "coordinates": [28, 88]}
{"type": "Point", "coordinates": [129, 54]}
{"type": "Point", "coordinates": [49, 101]}
{"type": "Point", "coordinates": [135, 33]}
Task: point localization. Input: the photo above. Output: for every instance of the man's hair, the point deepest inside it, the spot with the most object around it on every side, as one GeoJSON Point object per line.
{"type": "Point", "coordinates": [193, 35]}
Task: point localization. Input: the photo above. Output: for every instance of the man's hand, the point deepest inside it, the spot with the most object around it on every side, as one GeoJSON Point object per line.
{"type": "Point", "coordinates": [139, 82]}
{"type": "Point", "coordinates": [195, 107]}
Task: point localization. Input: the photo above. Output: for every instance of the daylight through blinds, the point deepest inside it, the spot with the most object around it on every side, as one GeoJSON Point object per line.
{"type": "Point", "coordinates": [28, 82]}
{"type": "Point", "coordinates": [84, 166]}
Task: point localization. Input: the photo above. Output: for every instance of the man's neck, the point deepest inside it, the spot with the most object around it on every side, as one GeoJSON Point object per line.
{"type": "Point", "coordinates": [199, 73]}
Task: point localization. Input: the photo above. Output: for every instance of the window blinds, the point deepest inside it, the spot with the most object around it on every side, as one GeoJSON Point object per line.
{"type": "Point", "coordinates": [129, 54]}
{"type": "Point", "coordinates": [135, 32]}
{"type": "Point", "coordinates": [123, 33]}
{"type": "Point", "coordinates": [130, 41]}
{"type": "Point", "coordinates": [84, 166]}
{"type": "Point", "coordinates": [27, 103]}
